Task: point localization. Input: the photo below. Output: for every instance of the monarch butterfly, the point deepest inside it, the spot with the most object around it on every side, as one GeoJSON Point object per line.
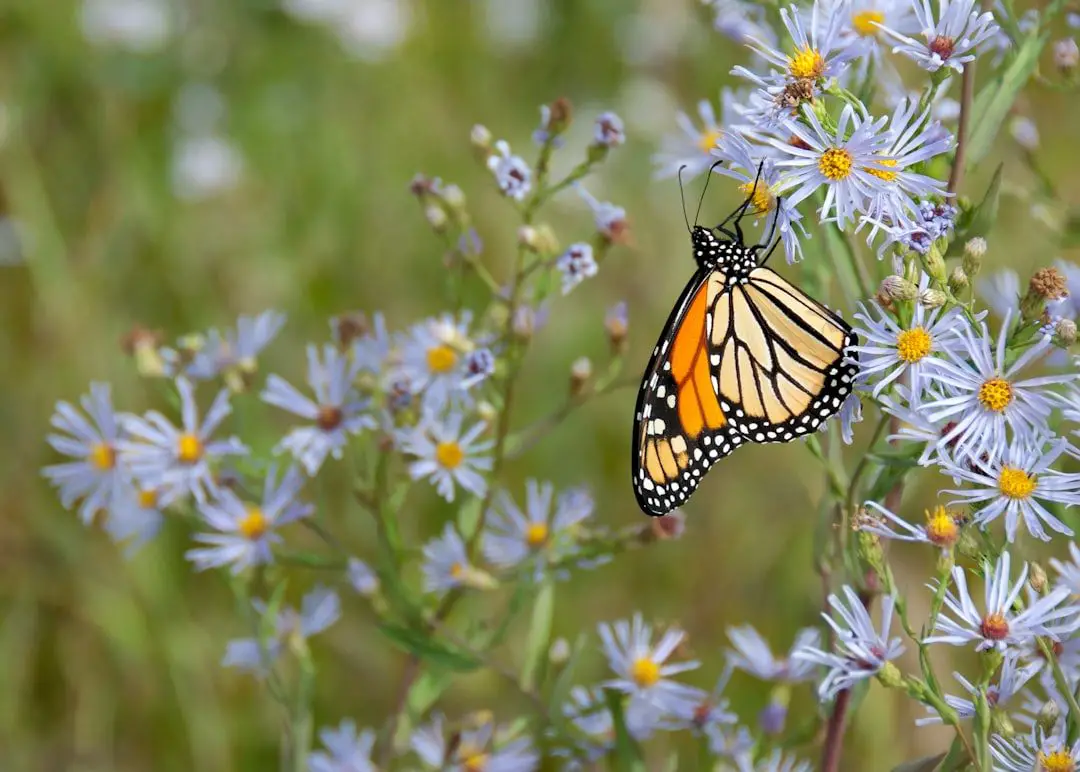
{"type": "Point", "coordinates": [744, 357]}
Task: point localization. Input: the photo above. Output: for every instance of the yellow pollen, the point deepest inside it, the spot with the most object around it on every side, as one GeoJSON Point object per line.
{"type": "Point", "coordinates": [645, 672]}
{"type": "Point", "coordinates": [441, 358]}
{"type": "Point", "coordinates": [882, 174]}
{"type": "Point", "coordinates": [941, 527]}
{"type": "Point", "coordinates": [708, 139]}
{"type": "Point", "coordinates": [102, 456]}
{"type": "Point", "coordinates": [253, 526]}
{"type": "Point", "coordinates": [473, 759]}
{"type": "Point", "coordinates": [864, 22]}
{"type": "Point", "coordinates": [189, 448]}
{"type": "Point", "coordinates": [1015, 483]}
{"type": "Point", "coordinates": [147, 499]}
{"type": "Point", "coordinates": [806, 63]}
{"type": "Point", "coordinates": [914, 344]}
{"type": "Point", "coordinates": [762, 197]}
{"type": "Point", "coordinates": [536, 535]}
{"type": "Point", "coordinates": [456, 570]}
{"type": "Point", "coordinates": [1057, 761]}
{"type": "Point", "coordinates": [995, 626]}
{"type": "Point", "coordinates": [449, 454]}
{"type": "Point", "coordinates": [835, 164]}
{"type": "Point", "coordinates": [996, 394]}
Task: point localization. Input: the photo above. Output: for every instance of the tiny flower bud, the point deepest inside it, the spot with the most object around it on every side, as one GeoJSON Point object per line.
{"type": "Point", "coordinates": [478, 579]}
{"type": "Point", "coordinates": [454, 197]}
{"type": "Point", "coordinates": [958, 280]}
{"type": "Point", "coordinates": [529, 237]}
{"type": "Point", "coordinates": [1037, 578]}
{"type": "Point", "coordinates": [616, 323]}
{"type": "Point", "coordinates": [524, 323]}
{"type": "Point", "coordinates": [772, 718]}
{"type": "Point", "coordinates": [974, 251]}
{"type": "Point", "coordinates": [932, 298]}
{"type": "Point", "coordinates": [897, 288]}
{"type": "Point", "coordinates": [142, 344]}
{"type": "Point", "coordinates": [580, 373]}
{"type": "Point", "coordinates": [436, 217]}
{"type": "Point", "coordinates": [933, 263]}
{"type": "Point", "coordinates": [481, 138]}
{"type": "Point", "coordinates": [560, 116]}
{"type": "Point", "coordinates": [559, 653]}
{"type": "Point", "coordinates": [608, 131]}
{"type": "Point", "coordinates": [1000, 724]}
{"type": "Point", "coordinates": [420, 185]}
{"type": "Point", "coordinates": [890, 676]}
{"type": "Point", "coordinates": [1066, 55]}
{"type": "Point", "coordinates": [1064, 333]}
{"type": "Point", "coordinates": [1046, 284]}
{"type": "Point", "coordinates": [1048, 716]}
{"type": "Point", "coordinates": [869, 547]}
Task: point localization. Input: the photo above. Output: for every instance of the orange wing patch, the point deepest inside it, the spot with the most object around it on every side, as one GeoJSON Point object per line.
{"type": "Point", "coordinates": [697, 402]}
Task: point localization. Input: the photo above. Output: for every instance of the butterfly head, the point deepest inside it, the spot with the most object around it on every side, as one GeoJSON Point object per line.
{"type": "Point", "coordinates": [711, 252]}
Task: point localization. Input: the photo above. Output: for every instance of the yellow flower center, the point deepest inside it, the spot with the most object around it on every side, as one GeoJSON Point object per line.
{"type": "Point", "coordinates": [645, 672]}
{"type": "Point", "coordinates": [708, 139]}
{"type": "Point", "coordinates": [996, 394]}
{"type": "Point", "coordinates": [254, 524]}
{"type": "Point", "coordinates": [441, 358]}
{"type": "Point", "coordinates": [835, 164]}
{"type": "Point", "coordinates": [762, 197]}
{"type": "Point", "coordinates": [941, 527]}
{"type": "Point", "coordinates": [864, 22]}
{"type": "Point", "coordinates": [1015, 483]}
{"type": "Point", "coordinates": [1056, 761]}
{"type": "Point", "coordinates": [806, 63]}
{"type": "Point", "coordinates": [995, 626]}
{"type": "Point", "coordinates": [882, 174]}
{"type": "Point", "coordinates": [456, 570]}
{"type": "Point", "coordinates": [329, 417]}
{"type": "Point", "coordinates": [536, 535]}
{"type": "Point", "coordinates": [449, 454]}
{"type": "Point", "coordinates": [189, 449]}
{"type": "Point", "coordinates": [472, 759]}
{"type": "Point", "coordinates": [914, 344]}
{"type": "Point", "coordinates": [102, 456]}
{"type": "Point", "coordinates": [147, 499]}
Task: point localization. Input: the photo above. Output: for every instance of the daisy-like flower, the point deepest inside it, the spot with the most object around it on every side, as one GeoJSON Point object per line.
{"type": "Point", "coordinates": [942, 528]}
{"type": "Point", "coordinates": [1016, 484]}
{"type": "Point", "coordinates": [97, 480]}
{"type": "Point", "coordinates": [446, 564]}
{"type": "Point", "coordinates": [983, 396]}
{"type": "Point", "coordinates": [576, 265]}
{"type": "Point", "coordinates": [542, 534]}
{"type": "Point", "coordinates": [1012, 679]}
{"type": "Point", "coordinates": [844, 162]}
{"type": "Point", "coordinates": [234, 351]}
{"type": "Point", "coordinates": [610, 220]}
{"type": "Point", "coordinates": [916, 426]}
{"type": "Point", "coordinates": [759, 178]}
{"type": "Point", "coordinates": [608, 130]}
{"type": "Point", "coordinates": [178, 462]}
{"type": "Point", "coordinates": [346, 750]}
{"type": "Point", "coordinates": [862, 30]}
{"type": "Point", "coordinates": [861, 652]}
{"type": "Point", "coordinates": [1069, 573]}
{"type": "Point", "coordinates": [693, 146]}
{"type": "Point", "coordinates": [752, 654]}
{"type": "Point", "coordinates": [1038, 752]}
{"type": "Point", "coordinates": [336, 412]}
{"type": "Point", "coordinates": [705, 713]}
{"type": "Point", "coordinates": [246, 531]}
{"type": "Point", "coordinates": [641, 666]}
{"type": "Point", "coordinates": [448, 455]}
{"type": "Point", "coordinates": [319, 609]}
{"type": "Point", "coordinates": [512, 174]}
{"type": "Point", "coordinates": [1000, 291]}
{"type": "Point", "coordinates": [734, 743]}
{"type": "Point", "coordinates": [486, 747]}
{"type": "Point", "coordinates": [742, 21]}
{"type": "Point", "coordinates": [891, 350]}
{"type": "Point", "coordinates": [914, 229]}
{"type": "Point", "coordinates": [135, 518]}
{"type": "Point", "coordinates": [436, 360]}
{"type": "Point", "coordinates": [949, 39]}
{"type": "Point", "coordinates": [1001, 626]}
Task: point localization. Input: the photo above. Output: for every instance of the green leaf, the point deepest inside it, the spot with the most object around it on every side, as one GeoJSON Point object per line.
{"type": "Point", "coordinates": [536, 646]}
{"type": "Point", "coordinates": [429, 649]}
{"type": "Point", "coordinates": [423, 694]}
{"type": "Point", "coordinates": [925, 764]}
{"type": "Point", "coordinates": [627, 756]}
{"type": "Point", "coordinates": [992, 104]}
{"type": "Point", "coordinates": [980, 219]}
{"type": "Point", "coordinates": [981, 730]}
{"type": "Point", "coordinates": [469, 518]}
{"type": "Point", "coordinates": [564, 682]}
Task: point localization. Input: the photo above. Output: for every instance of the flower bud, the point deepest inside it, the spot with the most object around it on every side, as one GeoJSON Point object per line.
{"type": "Point", "coordinates": [608, 131]}
{"type": "Point", "coordinates": [1048, 716]}
{"type": "Point", "coordinates": [1037, 578]}
{"type": "Point", "coordinates": [890, 676]}
{"type": "Point", "coordinates": [933, 262]}
{"type": "Point", "coordinates": [1066, 55]}
{"type": "Point", "coordinates": [974, 251]}
{"type": "Point", "coordinates": [580, 374]}
{"type": "Point", "coordinates": [529, 238]}
{"type": "Point", "coordinates": [617, 324]}
{"type": "Point", "coordinates": [453, 196]}
{"type": "Point", "coordinates": [436, 217]}
{"type": "Point", "coordinates": [958, 280]}
{"type": "Point", "coordinates": [1046, 284]}
{"type": "Point", "coordinates": [486, 412]}
{"type": "Point", "coordinates": [524, 323]}
{"type": "Point", "coordinates": [142, 344]}
{"type": "Point", "coordinates": [481, 138]}
{"type": "Point", "coordinates": [772, 718]}
{"type": "Point", "coordinates": [932, 298]}
{"type": "Point", "coordinates": [559, 652]}
{"type": "Point", "coordinates": [897, 288]}
{"type": "Point", "coordinates": [1000, 723]}
{"type": "Point", "coordinates": [559, 115]}
{"type": "Point", "coordinates": [1064, 334]}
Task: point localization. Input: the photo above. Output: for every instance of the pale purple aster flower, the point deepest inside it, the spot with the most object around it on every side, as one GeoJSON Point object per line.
{"type": "Point", "coordinates": [542, 534]}
{"type": "Point", "coordinates": [235, 349]}
{"type": "Point", "coordinates": [493, 747]}
{"type": "Point", "coordinates": [918, 230]}
{"type": "Point", "coordinates": [916, 426]}
{"type": "Point", "coordinates": [576, 265]}
{"type": "Point", "coordinates": [372, 351]}
{"type": "Point", "coordinates": [692, 147]}
{"type": "Point", "coordinates": [1000, 291]}
{"type": "Point", "coordinates": [742, 21]}
{"type": "Point", "coordinates": [447, 455]}
{"type": "Point", "coordinates": [860, 651]}
{"type": "Point", "coordinates": [702, 714]}
{"type": "Point", "coordinates": [1069, 573]}
{"type": "Point", "coordinates": [446, 565]}
{"type": "Point", "coordinates": [246, 532]}
{"type": "Point", "coordinates": [732, 743]}
{"type": "Point", "coordinates": [337, 411]}
{"type": "Point", "coordinates": [177, 462]}
{"type": "Point", "coordinates": [610, 219]}
{"type": "Point", "coordinates": [942, 528]}
{"type": "Point", "coordinates": [1016, 484]}
{"type": "Point", "coordinates": [862, 31]}
{"type": "Point", "coordinates": [319, 609]}
{"type": "Point", "coordinates": [134, 518]}
{"type": "Point", "coordinates": [1038, 751]}
{"type": "Point", "coordinates": [346, 750]}
{"type": "Point", "coordinates": [844, 162]}
{"type": "Point", "coordinates": [752, 654]}
{"type": "Point", "coordinates": [1001, 626]}
{"type": "Point", "coordinates": [641, 666]}
{"type": "Point", "coordinates": [362, 578]}
{"type": "Point", "coordinates": [588, 712]}
{"type": "Point", "coordinates": [436, 361]}
{"type": "Point", "coordinates": [542, 134]}
{"type": "Point", "coordinates": [818, 55]}
{"type": "Point", "coordinates": [608, 130]}
{"type": "Point", "coordinates": [1014, 676]}
{"type": "Point", "coordinates": [512, 174]}
{"type": "Point", "coordinates": [950, 38]}
{"type": "Point", "coordinates": [98, 480]}
{"type": "Point", "coordinates": [850, 414]}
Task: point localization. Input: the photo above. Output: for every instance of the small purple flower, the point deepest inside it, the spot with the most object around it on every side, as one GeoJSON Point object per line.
{"type": "Point", "coordinates": [608, 130]}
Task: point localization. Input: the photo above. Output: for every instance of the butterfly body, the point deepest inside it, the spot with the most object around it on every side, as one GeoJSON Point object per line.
{"type": "Point", "coordinates": [744, 357]}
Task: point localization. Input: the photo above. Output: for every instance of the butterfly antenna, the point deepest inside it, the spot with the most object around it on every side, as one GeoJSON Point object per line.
{"type": "Point", "coordinates": [772, 233]}
{"type": "Point", "coordinates": [682, 196]}
{"type": "Point", "coordinates": [738, 213]}
{"type": "Point", "coordinates": [704, 189]}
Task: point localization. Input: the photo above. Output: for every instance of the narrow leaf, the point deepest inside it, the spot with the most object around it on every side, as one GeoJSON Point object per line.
{"type": "Point", "coordinates": [430, 649]}
{"type": "Point", "coordinates": [627, 751]}
{"type": "Point", "coordinates": [536, 647]}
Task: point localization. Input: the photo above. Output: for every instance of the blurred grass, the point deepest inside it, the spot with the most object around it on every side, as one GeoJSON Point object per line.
{"type": "Point", "coordinates": [113, 665]}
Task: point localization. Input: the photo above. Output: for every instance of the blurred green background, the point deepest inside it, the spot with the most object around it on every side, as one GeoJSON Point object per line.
{"type": "Point", "coordinates": [176, 164]}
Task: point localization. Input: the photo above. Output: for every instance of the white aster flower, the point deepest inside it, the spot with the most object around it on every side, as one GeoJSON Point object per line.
{"type": "Point", "coordinates": [949, 38]}
{"type": "Point", "coordinates": [942, 528]}
{"type": "Point", "coordinates": [487, 747]}
{"type": "Point", "coordinates": [751, 653]}
{"type": "Point", "coordinates": [178, 462]}
{"type": "Point", "coordinates": [235, 349]}
{"type": "Point", "coordinates": [642, 668]}
{"type": "Point", "coordinates": [1012, 679]}
{"type": "Point", "coordinates": [817, 55]}
{"type": "Point", "coordinates": [336, 412]}
{"type": "Point", "coordinates": [439, 360]}
{"type": "Point", "coordinates": [446, 564]}
{"type": "Point", "coordinates": [135, 518]}
{"type": "Point", "coordinates": [448, 455]}
{"type": "Point", "coordinates": [705, 713]}
{"type": "Point", "coordinates": [862, 31]}
{"type": "Point", "coordinates": [511, 172]}
{"type": "Point", "coordinates": [742, 21]}
{"type": "Point", "coordinates": [319, 609]}
{"type": "Point", "coordinates": [692, 147]}
{"type": "Point", "coordinates": [346, 750]}
{"type": "Point", "coordinates": [1001, 626]}
{"type": "Point", "coordinates": [576, 265]}
{"type": "Point", "coordinates": [916, 426]}
{"type": "Point", "coordinates": [1037, 752]}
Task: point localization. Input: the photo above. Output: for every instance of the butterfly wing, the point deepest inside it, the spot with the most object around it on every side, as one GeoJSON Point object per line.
{"type": "Point", "coordinates": [680, 429]}
{"type": "Point", "coordinates": [779, 357]}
